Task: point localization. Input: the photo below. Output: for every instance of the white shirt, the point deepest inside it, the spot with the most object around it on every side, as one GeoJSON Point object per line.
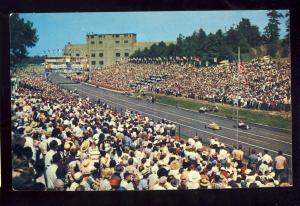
{"type": "Point", "coordinates": [51, 175]}
{"type": "Point", "coordinates": [152, 180]}
{"type": "Point", "coordinates": [48, 157]}
{"type": "Point", "coordinates": [267, 158]}
{"type": "Point", "coordinates": [198, 145]}
{"type": "Point", "coordinates": [158, 187]}
{"type": "Point", "coordinates": [53, 138]}
{"type": "Point", "coordinates": [29, 143]}
{"type": "Point", "coordinates": [126, 185]}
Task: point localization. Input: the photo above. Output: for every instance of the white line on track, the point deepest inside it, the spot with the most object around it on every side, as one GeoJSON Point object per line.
{"type": "Point", "coordinates": [190, 118]}
{"type": "Point", "coordinates": [285, 137]}
{"type": "Point", "coordinates": [240, 136]}
{"type": "Point", "coordinates": [181, 124]}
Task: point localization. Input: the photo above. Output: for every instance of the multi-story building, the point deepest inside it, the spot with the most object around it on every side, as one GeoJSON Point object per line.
{"type": "Point", "coordinates": [106, 49]}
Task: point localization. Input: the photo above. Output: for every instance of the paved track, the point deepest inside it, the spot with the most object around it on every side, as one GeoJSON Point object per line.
{"type": "Point", "coordinates": [191, 123]}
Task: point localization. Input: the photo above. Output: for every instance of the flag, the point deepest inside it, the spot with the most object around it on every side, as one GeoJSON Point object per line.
{"type": "Point", "coordinates": [241, 68]}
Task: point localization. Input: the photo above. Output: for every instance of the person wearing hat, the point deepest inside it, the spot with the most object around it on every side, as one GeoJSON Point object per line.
{"type": "Point", "coordinates": [161, 184]}
{"type": "Point", "coordinates": [85, 146]}
{"type": "Point", "coordinates": [143, 183]}
{"type": "Point", "coordinates": [204, 183]}
{"type": "Point", "coordinates": [104, 180]}
{"type": "Point", "coordinates": [59, 185]}
{"type": "Point", "coordinates": [127, 181]}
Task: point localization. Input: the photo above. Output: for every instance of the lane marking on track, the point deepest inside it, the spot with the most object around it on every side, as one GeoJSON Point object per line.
{"type": "Point", "coordinates": [214, 115]}
{"type": "Point", "coordinates": [190, 118]}
{"type": "Point", "coordinates": [256, 140]}
{"type": "Point", "coordinates": [256, 146]}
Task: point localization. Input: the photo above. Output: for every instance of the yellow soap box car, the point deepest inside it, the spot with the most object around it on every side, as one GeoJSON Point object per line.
{"type": "Point", "coordinates": [213, 126]}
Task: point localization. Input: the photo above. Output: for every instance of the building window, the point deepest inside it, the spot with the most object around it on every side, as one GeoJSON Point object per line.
{"type": "Point", "coordinates": [100, 42]}
{"type": "Point", "coordinates": [93, 55]}
{"type": "Point", "coordinates": [117, 42]}
{"type": "Point", "coordinates": [101, 62]}
{"type": "Point", "coordinates": [118, 54]}
{"type": "Point", "coordinates": [100, 54]}
{"type": "Point", "coordinates": [77, 54]}
{"type": "Point", "coordinates": [126, 54]}
{"type": "Point", "coordinates": [117, 35]}
{"type": "Point", "coordinates": [92, 42]}
{"type": "Point", "coordinates": [93, 62]}
{"type": "Point", "coordinates": [125, 41]}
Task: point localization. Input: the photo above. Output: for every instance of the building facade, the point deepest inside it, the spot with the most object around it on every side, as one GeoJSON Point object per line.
{"type": "Point", "coordinates": [106, 49]}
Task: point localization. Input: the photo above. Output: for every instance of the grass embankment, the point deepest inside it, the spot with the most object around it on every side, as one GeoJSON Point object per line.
{"type": "Point", "coordinates": [273, 119]}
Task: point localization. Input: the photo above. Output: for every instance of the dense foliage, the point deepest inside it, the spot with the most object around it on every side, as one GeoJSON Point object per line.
{"type": "Point", "coordinates": [22, 36]}
{"type": "Point", "coordinates": [221, 45]}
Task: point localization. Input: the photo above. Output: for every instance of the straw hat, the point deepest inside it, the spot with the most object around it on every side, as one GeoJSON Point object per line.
{"type": "Point", "coordinates": [68, 145]}
{"type": "Point", "coordinates": [48, 132]}
{"type": "Point", "coordinates": [106, 173]}
{"type": "Point", "coordinates": [204, 182]}
{"type": "Point", "coordinates": [87, 166]}
{"type": "Point", "coordinates": [85, 146]}
{"type": "Point", "coordinates": [34, 124]}
{"type": "Point", "coordinates": [28, 130]}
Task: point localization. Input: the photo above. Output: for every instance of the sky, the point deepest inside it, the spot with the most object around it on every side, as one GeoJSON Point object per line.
{"type": "Point", "coordinates": [56, 29]}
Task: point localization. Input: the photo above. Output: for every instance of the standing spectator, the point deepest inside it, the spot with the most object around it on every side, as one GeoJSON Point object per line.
{"type": "Point", "coordinates": [238, 156]}
{"type": "Point", "coordinates": [51, 171]}
{"type": "Point", "coordinates": [266, 157]}
{"type": "Point", "coordinates": [253, 160]}
{"type": "Point", "coordinates": [281, 166]}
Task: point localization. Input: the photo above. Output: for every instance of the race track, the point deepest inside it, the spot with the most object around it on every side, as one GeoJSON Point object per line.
{"type": "Point", "coordinates": [191, 123]}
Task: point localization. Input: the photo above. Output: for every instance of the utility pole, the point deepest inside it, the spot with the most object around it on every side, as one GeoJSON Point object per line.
{"type": "Point", "coordinates": [237, 98]}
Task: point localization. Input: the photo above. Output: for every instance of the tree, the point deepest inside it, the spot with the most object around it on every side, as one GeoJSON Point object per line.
{"type": "Point", "coordinates": [272, 29]}
{"type": "Point", "coordinates": [286, 41]}
{"type": "Point", "coordinates": [271, 34]}
{"type": "Point", "coordinates": [22, 36]}
{"type": "Point", "coordinates": [235, 39]}
{"type": "Point", "coordinates": [250, 32]}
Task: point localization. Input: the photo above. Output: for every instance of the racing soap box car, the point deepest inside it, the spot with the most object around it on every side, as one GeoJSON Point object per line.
{"type": "Point", "coordinates": [242, 125]}
{"type": "Point", "coordinates": [213, 126]}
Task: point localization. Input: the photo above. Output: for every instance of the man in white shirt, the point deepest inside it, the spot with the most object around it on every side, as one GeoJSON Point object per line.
{"type": "Point", "coordinates": [51, 171]}
{"type": "Point", "coordinates": [161, 184]}
{"type": "Point", "coordinates": [53, 150]}
{"type": "Point", "coordinates": [127, 181]}
{"type": "Point", "coordinates": [266, 157]}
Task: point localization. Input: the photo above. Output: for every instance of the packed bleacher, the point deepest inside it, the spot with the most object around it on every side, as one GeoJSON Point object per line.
{"type": "Point", "coordinates": [259, 85]}
{"type": "Point", "coordinates": [63, 142]}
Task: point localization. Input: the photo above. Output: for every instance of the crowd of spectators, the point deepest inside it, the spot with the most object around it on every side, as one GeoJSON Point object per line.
{"type": "Point", "coordinates": [64, 142]}
{"type": "Point", "coordinates": [260, 85]}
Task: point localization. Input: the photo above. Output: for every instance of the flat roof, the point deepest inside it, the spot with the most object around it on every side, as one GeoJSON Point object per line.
{"type": "Point", "coordinates": [110, 34]}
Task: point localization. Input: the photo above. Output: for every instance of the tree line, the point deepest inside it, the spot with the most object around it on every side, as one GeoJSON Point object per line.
{"type": "Point", "coordinates": [200, 45]}
{"type": "Point", "coordinates": [224, 45]}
